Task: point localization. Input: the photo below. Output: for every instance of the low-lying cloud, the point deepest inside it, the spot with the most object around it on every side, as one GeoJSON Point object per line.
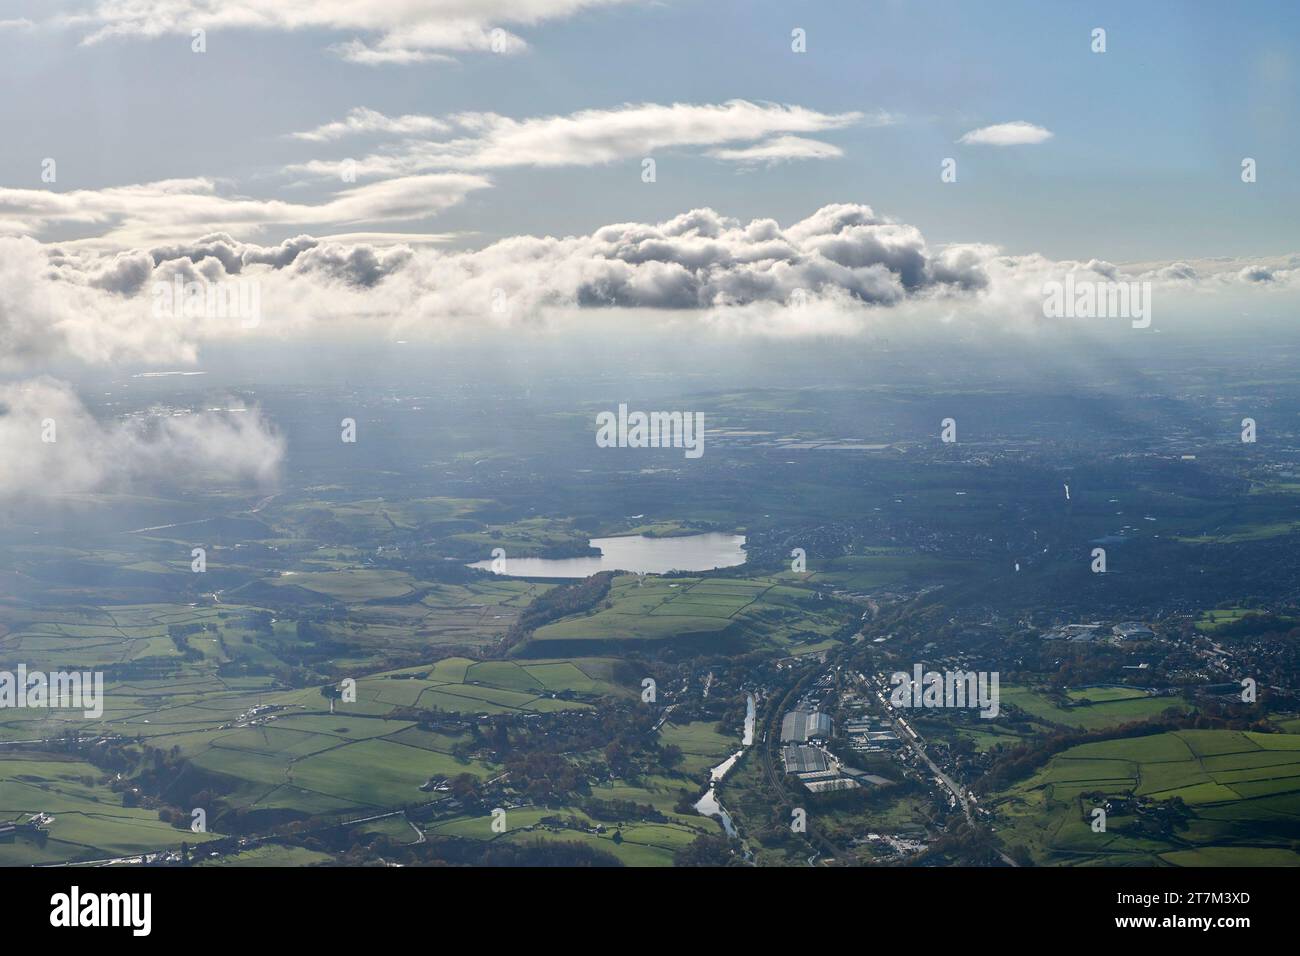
{"type": "Point", "coordinates": [54, 445]}
{"type": "Point", "coordinates": [843, 268]}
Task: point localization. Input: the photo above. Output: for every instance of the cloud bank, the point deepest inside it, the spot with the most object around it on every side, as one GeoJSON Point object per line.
{"type": "Point", "coordinates": [843, 268]}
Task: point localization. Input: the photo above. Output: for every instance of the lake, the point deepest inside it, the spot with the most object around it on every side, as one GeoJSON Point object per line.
{"type": "Point", "coordinates": [635, 553]}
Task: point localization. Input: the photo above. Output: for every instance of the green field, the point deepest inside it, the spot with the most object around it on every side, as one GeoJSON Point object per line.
{"type": "Point", "coordinates": [638, 844]}
{"type": "Point", "coordinates": [1092, 708]}
{"type": "Point", "coordinates": [1211, 621]}
{"type": "Point", "coordinates": [272, 854]}
{"type": "Point", "coordinates": [90, 821]}
{"type": "Point", "coordinates": [362, 755]}
{"type": "Point", "coordinates": [1240, 791]}
{"type": "Point", "coordinates": [701, 745]}
{"type": "Point", "coordinates": [295, 757]}
{"type": "Point", "coordinates": [760, 611]}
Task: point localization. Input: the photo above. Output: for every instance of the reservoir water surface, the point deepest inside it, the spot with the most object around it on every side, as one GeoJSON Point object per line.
{"type": "Point", "coordinates": [635, 553]}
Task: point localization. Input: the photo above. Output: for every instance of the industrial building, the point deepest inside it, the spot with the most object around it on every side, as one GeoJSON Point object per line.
{"type": "Point", "coordinates": [800, 726]}
{"type": "Point", "coordinates": [831, 784]}
{"type": "Point", "coordinates": [870, 734]}
{"type": "Point", "coordinates": [1133, 631]}
{"type": "Point", "coordinates": [803, 760]}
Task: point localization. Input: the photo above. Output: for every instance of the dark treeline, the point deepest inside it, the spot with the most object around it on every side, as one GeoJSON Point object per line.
{"type": "Point", "coordinates": [559, 602]}
{"type": "Point", "coordinates": [1020, 762]}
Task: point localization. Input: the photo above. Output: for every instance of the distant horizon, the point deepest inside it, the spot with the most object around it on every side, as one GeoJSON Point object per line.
{"type": "Point", "coordinates": [590, 435]}
{"type": "Point", "coordinates": [833, 171]}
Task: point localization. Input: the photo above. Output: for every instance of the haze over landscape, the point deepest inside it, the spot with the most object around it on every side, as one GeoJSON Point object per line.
{"type": "Point", "coordinates": [609, 433]}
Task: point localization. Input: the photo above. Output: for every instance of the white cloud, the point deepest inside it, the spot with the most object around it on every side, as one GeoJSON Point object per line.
{"type": "Point", "coordinates": [362, 121]}
{"type": "Point", "coordinates": [779, 149]}
{"type": "Point", "coordinates": [392, 53]}
{"type": "Point", "coordinates": [89, 455]}
{"type": "Point", "coordinates": [422, 177]}
{"type": "Point", "coordinates": [1017, 133]}
{"type": "Point", "coordinates": [55, 306]}
{"type": "Point", "coordinates": [594, 137]}
{"type": "Point", "coordinates": [181, 208]}
{"type": "Point", "coordinates": [391, 31]}
{"type": "Point", "coordinates": [842, 268]}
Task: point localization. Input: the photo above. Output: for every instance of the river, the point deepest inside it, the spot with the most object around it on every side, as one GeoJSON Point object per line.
{"type": "Point", "coordinates": [709, 805]}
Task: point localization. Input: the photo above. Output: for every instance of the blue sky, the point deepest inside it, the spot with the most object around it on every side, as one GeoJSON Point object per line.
{"type": "Point", "coordinates": [160, 206]}
{"type": "Point", "coordinates": [1144, 161]}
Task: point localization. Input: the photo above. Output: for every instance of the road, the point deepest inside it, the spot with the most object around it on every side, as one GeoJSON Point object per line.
{"type": "Point", "coordinates": [917, 745]}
